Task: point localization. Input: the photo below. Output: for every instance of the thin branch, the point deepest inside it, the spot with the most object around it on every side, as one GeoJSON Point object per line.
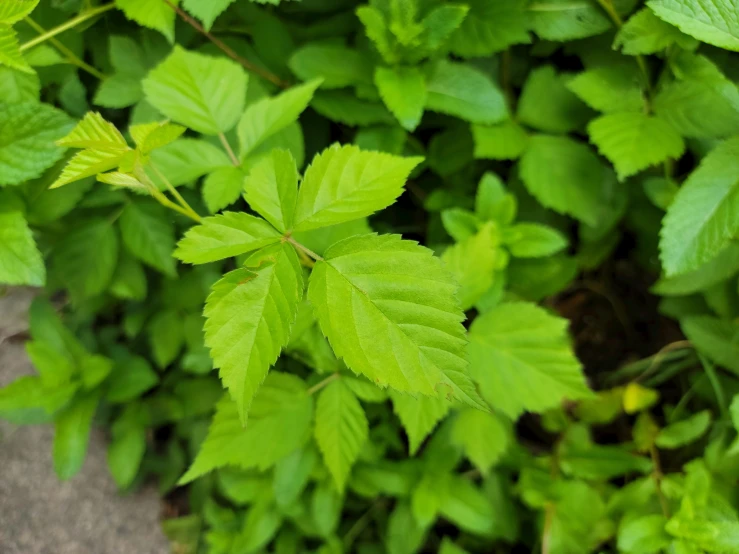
{"type": "Point", "coordinates": [246, 64]}
{"type": "Point", "coordinates": [192, 214]}
{"type": "Point", "coordinates": [299, 246]}
{"type": "Point", "coordinates": [71, 56]}
{"type": "Point", "coordinates": [228, 149]}
{"type": "Point", "coordinates": [81, 18]}
{"type": "Point", "coordinates": [318, 386]}
{"type": "Point", "coordinates": [657, 476]}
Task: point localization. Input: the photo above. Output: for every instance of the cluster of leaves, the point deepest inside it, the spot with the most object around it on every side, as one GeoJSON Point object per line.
{"type": "Point", "coordinates": [380, 395]}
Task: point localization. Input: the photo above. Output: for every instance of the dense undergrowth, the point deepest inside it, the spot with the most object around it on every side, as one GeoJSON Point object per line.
{"type": "Point", "coordinates": [406, 276]}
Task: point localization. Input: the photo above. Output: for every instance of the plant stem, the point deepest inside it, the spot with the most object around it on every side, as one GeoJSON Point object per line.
{"type": "Point", "coordinates": [657, 476]}
{"type": "Point", "coordinates": [228, 149]}
{"type": "Point", "coordinates": [71, 56]}
{"type": "Point", "coordinates": [318, 386]}
{"type": "Point", "coordinates": [299, 246]}
{"type": "Point", "coordinates": [246, 64]}
{"type": "Point", "coordinates": [192, 214]}
{"type": "Point", "coordinates": [185, 209]}
{"type": "Point", "coordinates": [81, 18]}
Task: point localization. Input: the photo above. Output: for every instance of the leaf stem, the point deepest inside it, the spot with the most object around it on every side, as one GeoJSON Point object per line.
{"type": "Point", "coordinates": [657, 476]}
{"type": "Point", "coordinates": [299, 246]}
{"type": "Point", "coordinates": [246, 64]}
{"type": "Point", "coordinates": [81, 18]}
{"type": "Point", "coordinates": [318, 386]}
{"type": "Point", "coordinates": [228, 149]}
{"type": "Point", "coordinates": [183, 208]}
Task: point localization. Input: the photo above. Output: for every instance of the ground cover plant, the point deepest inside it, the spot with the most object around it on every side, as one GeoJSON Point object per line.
{"type": "Point", "coordinates": [399, 276]}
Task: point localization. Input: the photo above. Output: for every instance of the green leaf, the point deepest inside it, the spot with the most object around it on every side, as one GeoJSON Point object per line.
{"type": "Point", "coordinates": [702, 220]}
{"type": "Point", "coordinates": [224, 236]}
{"type": "Point", "coordinates": [27, 135]}
{"type": "Point", "coordinates": [418, 416]}
{"type": "Point", "coordinates": [260, 525]}
{"type": "Point", "coordinates": [203, 93]}
{"type": "Point", "coordinates": [12, 11]}
{"type": "Point", "coordinates": [403, 90]}
{"type": "Point", "coordinates": [118, 91]}
{"type": "Point", "coordinates": [401, 327]}
{"type": "Point", "coordinates": [547, 105]}
{"type": "Point", "coordinates": [166, 335]}
{"type": "Point", "coordinates": [20, 260]}
{"type": "Point", "coordinates": [344, 107]}
{"type": "Point", "coordinates": [131, 377]}
{"type": "Point", "coordinates": [609, 88]}
{"type": "Point", "coordinates": [521, 359]}
{"type": "Point", "coordinates": [223, 187]}
{"type": "Point", "coordinates": [685, 431]}
{"type": "Point", "coordinates": [10, 53]}
{"type": "Point", "coordinates": [468, 507]}
{"type": "Point", "coordinates": [713, 21]}
{"type": "Point", "coordinates": [72, 433]}
{"type": "Point", "coordinates": [249, 315]}
{"type": "Point", "coordinates": [88, 163]}
{"type": "Point", "coordinates": [150, 136]}
{"type": "Point", "coordinates": [716, 338]}
{"type": "Point", "coordinates": [337, 65]}
{"type": "Point", "coordinates": [377, 31]}
{"type": "Point", "coordinates": [186, 159]}
{"type": "Point", "coordinates": [448, 547]}
{"type": "Point", "coordinates": [148, 234]}
{"type": "Point", "coordinates": [267, 116]}
{"type": "Point", "coordinates": [472, 263]}
{"type": "Point", "coordinates": [461, 224]}
{"type": "Point", "coordinates": [341, 429]}
{"type": "Point", "coordinates": [564, 20]}
{"type": "Point", "coordinates": [94, 132]}
{"type": "Point", "coordinates": [633, 141]}
{"type": "Point", "coordinates": [206, 10]}
{"type": "Point", "coordinates": [566, 176]}
{"type": "Point", "coordinates": [271, 189]}
{"type": "Point", "coordinates": [344, 183]}
{"type": "Point", "coordinates": [281, 409]}
{"type": "Point", "coordinates": [157, 16]}
{"type": "Point", "coordinates": [490, 27]}
{"type": "Point", "coordinates": [463, 91]}
{"type": "Point", "coordinates": [404, 534]}
{"type": "Point", "coordinates": [643, 535]}
{"type": "Point", "coordinates": [127, 447]}
{"type": "Point", "coordinates": [506, 141]}
{"type": "Point", "coordinates": [533, 240]}
{"type": "Point", "coordinates": [482, 436]}
{"type": "Point", "coordinates": [720, 268]}
{"type": "Point", "coordinates": [645, 33]}
{"type": "Point", "coordinates": [17, 86]}
{"type": "Point", "coordinates": [493, 203]}
{"type": "Point", "coordinates": [292, 474]}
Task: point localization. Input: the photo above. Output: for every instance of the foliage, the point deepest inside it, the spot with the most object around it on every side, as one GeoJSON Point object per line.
{"type": "Point", "coordinates": [315, 263]}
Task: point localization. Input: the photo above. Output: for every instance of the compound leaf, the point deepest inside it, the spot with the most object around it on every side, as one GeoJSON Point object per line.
{"type": "Point", "coordinates": [713, 21]}
{"type": "Point", "coordinates": [271, 189]}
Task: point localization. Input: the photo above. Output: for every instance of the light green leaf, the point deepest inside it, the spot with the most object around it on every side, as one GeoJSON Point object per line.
{"type": "Point", "coordinates": [720, 268]}
{"type": "Point", "coordinates": [154, 15]}
{"type": "Point", "coordinates": [118, 91]}
{"type": "Point", "coordinates": [281, 409]}
{"type": "Point", "coordinates": [713, 21]}
{"type": "Point", "coordinates": [206, 10]}
{"type": "Point", "coordinates": [468, 507]}
{"type": "Point", "coordinates": [150, 136]}
{"type": "Point", "coordinates": [717, 339]}
{"type": "Point", "coordinates": [506, 141]}
{"type": "Point", "coordinates": [224, 236]}
{"type": "Point", "coordinates": [490, 27]}
{"type": "Point", "coordinates": [337, 65]}
{"type": "Point", "coordinates": [20, 260]}
{"type": "Point", "coordinates": [521, 359]}
{"type": "Point", "coordinates": [271, 189]}
{"type": "Point", "coordinates": [609, 88]}
{"type": "Point", "coordinates": [223, 187]}
{"type": "Point", "coordinates": [493, 202]}
{"type": "Point", "coordinates": [482, 436]}
{"type": "Point", "coordinates": [148, 234]}
{"type": "Point", "coordinates": [12, 11]}
{"type": "Point", "coordinates": [465, 92]}
{"type": "Point", "coordinates": [249, 314]}
{"type": "Point", "coordinates": [685, 431]}
{"type": "Point", "coordinates": [401, 329]}
{"type": "Point", "coordinates": [645, 33]}
{"type": "Point", "coordinates": [88, 163]}
{"type": "Point", "coordinates": [344, 183]}
{"type": "Point", "coordinates": [292, 474]}
{"type": "Point", "coordinates": [187, 159]}
{"type": "Point", "coordinates": [633, 141]}
{"type": "Point", "coordinates": [418, 416]}
{"type": "Point", "coordinates": [566, 176]}
{"type": "Point", "coordinates": [202, 92]}
{"type": "Point", "coordinates": [131, 377]}
{"type": "Point", "coordinates": [533, 240]}
{"type": "Point", "coordinates": [702, 219]}
{"type": "Point", "coordinates": [127, 446]}
{"type": "Point", "coordinates": [547, 105]}
{"type": "Point", "coordinates": [404, 534]}
{"type": "Point", "coordinates": [341, 429]}
{"type": "Point", "coordinates": [27, 135]}
{"type": "Point", "coordinates": [72, 433]}
{"type": "Point", "coordinates": [403, 90]}
{"type": "Point", "coordinates": [93, 131]}
{"type": "Point", "coordinates": [267, 116]}
{"type": "Point", "coordinates": [377, 31]}
{"type": "Point", "coordinates": [448, 547]}
{"type": "Point", "coordinates": [17, 87]}
{"type": "Point", "coordinates": [643, 535]}
{"type": "Point", "coordinates": [472, 263]}
{"type": "Point", "coordinates": [461, 224]}
{"type": "Point", "coordinates": [10, 54]}
{"type": "Point", "coordinates": [564, 20]}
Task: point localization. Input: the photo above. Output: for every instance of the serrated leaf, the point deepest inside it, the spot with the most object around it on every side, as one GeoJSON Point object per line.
{"type": "Point", "coordinates": [717, 339]}
{"type": "Point", "coordinates": [248, 315]}
{"type": "Point", "coordinates": [27, 135]}
{"type": "Point", "coordinates": [684, 432]}
{"type": "Point", "coordinates": [566, 176]}
{"type": "Point", "coordinates": [403, 90]}
{"type": "Point", "coordinates": [472, 263]}
{"type": "Point", "coordinates": [150, 136]}
{"type": "Point", "coordinates": [506, 141]}
{"type": "Point", "coordinates": [720, 268]}
{"type": "Point", "coordinates": [223, 236]}
{"type": "Point", "coordinates": [88, 163]}
{"type": "Point", "coordinates": [702, 219]}
{"type": "Point", "coordinates": [465, 92]}
{"type": "Point", "coordinates": [546, 103]}
{"type": "Point", "coordinates": [267, 116]}
{"type": "Point", "coordinates": [482, 436]}
{"type": "Point", "coordinates": [633, 141]}
{"type": "Point", "coordinates": [271, 189]}
{"type": "Point", "coordinates": [206, 10]}
{"type": "Point", "coordinates": [20, 260]}
{"type": "Point", "coordinates": [93, 131]}
{"type": "Point", "coordinates": [344, 183]}
{"type": "Point", "coordinates": [337, 65]}
{"type": "Point", "coordinates": [645, 33]}
{"type": "Point", "coordinates": [341, 429]}
{"type": "Point", "coordinates": [713, 21]}
{"type": "Point", "coordinates": [609, 88]}
{"type": "Point", "coordinates": [148, 234]}
{"type": "Point", "coordinates": [490, 27]}
{"type": "Point", "coordinates": [401, 329]}
{"type": "Point", "coordinates": [158, 16]}
{"type": "Point", "coordinates": [521, 359]}
{"type": "Point", "coordinates": [281, 409]}
{"type": "Point", "coordinates": [223, 187]}
{"type": "Point", "coordinates": [10, 53]}
{"type": "Point", "coordinates": [202, 92]}
{"type": "Point", "coordinates": [12, 11]}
